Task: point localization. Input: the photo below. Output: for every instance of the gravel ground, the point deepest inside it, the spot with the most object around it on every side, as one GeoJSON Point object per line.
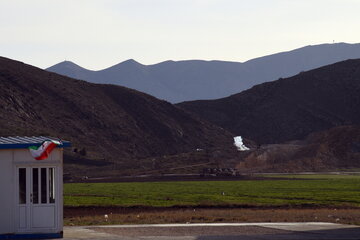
{"type": "Point", "coordinates": [95, 215]}
{"type": "Point", "coordinates": [190, 231]}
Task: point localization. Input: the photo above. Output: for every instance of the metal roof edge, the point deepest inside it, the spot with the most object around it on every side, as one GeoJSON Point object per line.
{"type": "Point", "coordinates": [27, 145]}
{"type": "Point", "coordinates": [25, 142]}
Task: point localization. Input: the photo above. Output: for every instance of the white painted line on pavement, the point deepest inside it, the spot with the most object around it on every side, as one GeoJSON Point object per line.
{"type": "Point", "coordinates": [321, 225]}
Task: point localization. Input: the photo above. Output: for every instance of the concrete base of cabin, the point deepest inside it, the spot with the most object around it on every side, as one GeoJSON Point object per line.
{"type": "Point", "coordinates": [32, 236]}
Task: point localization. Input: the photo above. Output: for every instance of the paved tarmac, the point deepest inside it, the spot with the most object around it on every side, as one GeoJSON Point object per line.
{"type": "Point", "coordinates": [216, 231]}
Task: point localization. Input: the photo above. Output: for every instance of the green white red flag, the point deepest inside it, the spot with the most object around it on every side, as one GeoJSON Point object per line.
{"type": "Point", "coordinates": [43, 151]}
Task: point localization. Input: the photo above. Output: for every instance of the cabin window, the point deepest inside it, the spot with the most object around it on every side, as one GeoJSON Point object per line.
{"type": "Point", "coordinates": [35, 185]}
{"type": "Point", "coordinates": [22, 185]}
{"type": "Point", "coordinates": [43, 186]}
{"type": "Point", "coordinates": [51, 185]}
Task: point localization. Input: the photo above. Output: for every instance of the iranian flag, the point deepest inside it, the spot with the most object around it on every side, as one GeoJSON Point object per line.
{"type": "Point", "coordinates": [42, 152]}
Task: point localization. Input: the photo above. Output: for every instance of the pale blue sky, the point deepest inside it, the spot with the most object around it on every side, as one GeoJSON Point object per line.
{"type": "Point", "coordinates": [99, 33]}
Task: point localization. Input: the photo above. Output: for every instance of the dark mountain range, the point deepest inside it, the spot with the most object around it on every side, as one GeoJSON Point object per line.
{"type": "Point", "coordinates": [118, 131]}
{"type": "Point", "coordinates": [289, 109]}
{"type": "Point", "coordinates": [195, 79]}
{"type": "Point", "coordinates": [112, 127]}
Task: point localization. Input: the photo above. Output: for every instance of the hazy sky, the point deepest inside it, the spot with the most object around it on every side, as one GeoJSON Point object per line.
{"type": "Point", "coordinates": [100, 33]}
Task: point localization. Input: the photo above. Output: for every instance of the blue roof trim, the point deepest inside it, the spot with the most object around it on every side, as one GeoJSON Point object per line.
{"type": "Point", "coordinates": [25, 142]}
{"type": "Point", "coordinates": [32, 236]}
{"type": "Point", "coordinates": [26, 145]}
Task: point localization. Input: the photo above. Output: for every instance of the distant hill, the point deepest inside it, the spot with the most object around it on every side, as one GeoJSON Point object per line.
{"type": "Point", "coordinates": [195, 79]}
{"type": "Point", "coordinates": [335, 149]}
{"type": "Point", "coordinates": [113, 129]}
{"type": "Point", "coordinates": [291, 108]}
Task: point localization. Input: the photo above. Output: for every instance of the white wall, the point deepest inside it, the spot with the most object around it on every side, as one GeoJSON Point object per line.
{"type": "Point", "coordinates": [7, 186]}
{"type": "Point", "coordinates": [60, 190]}
{"type": "Point", "coordinates": [23, 156]}
{"type": "Point", "coordinates": [9, 160]}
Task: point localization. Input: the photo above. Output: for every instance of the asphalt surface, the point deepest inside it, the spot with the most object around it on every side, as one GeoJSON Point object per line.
{"type": "Point", "coordinates": [216, 231]}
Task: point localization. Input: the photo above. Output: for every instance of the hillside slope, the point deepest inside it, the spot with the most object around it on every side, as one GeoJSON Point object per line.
{"type": "Point", "coordinates": [289, 109]}
{"type": "Point", "coordinates": [177, 81]}
{"type": "Point", "coordinates": [335, 149]}
{"type": "Point", "coordinates": [108, 125]}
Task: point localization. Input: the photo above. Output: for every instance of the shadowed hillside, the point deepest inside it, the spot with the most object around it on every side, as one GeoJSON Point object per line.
{"type": "Point", "coordinates": [110, 126]}
{"type": "Point", "coordinates": [289, 109]}
{"type": "Point", "coordinates": [117, 131]}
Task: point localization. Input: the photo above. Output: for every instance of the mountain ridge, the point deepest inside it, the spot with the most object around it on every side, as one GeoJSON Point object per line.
{"type": "Point", "coordinates": [185, 80]}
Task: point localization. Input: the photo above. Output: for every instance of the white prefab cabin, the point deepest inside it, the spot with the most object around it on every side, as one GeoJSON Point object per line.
{"type": "Point", "coordinates": [31, 202]}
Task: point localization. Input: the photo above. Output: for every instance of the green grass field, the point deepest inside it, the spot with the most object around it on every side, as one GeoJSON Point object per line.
{"type": "Point", "coordinates": [317, 190]}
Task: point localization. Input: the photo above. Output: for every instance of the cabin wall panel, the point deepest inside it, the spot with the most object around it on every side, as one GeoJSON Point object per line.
{"type": "Point", "coordinates": [7, 186]}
